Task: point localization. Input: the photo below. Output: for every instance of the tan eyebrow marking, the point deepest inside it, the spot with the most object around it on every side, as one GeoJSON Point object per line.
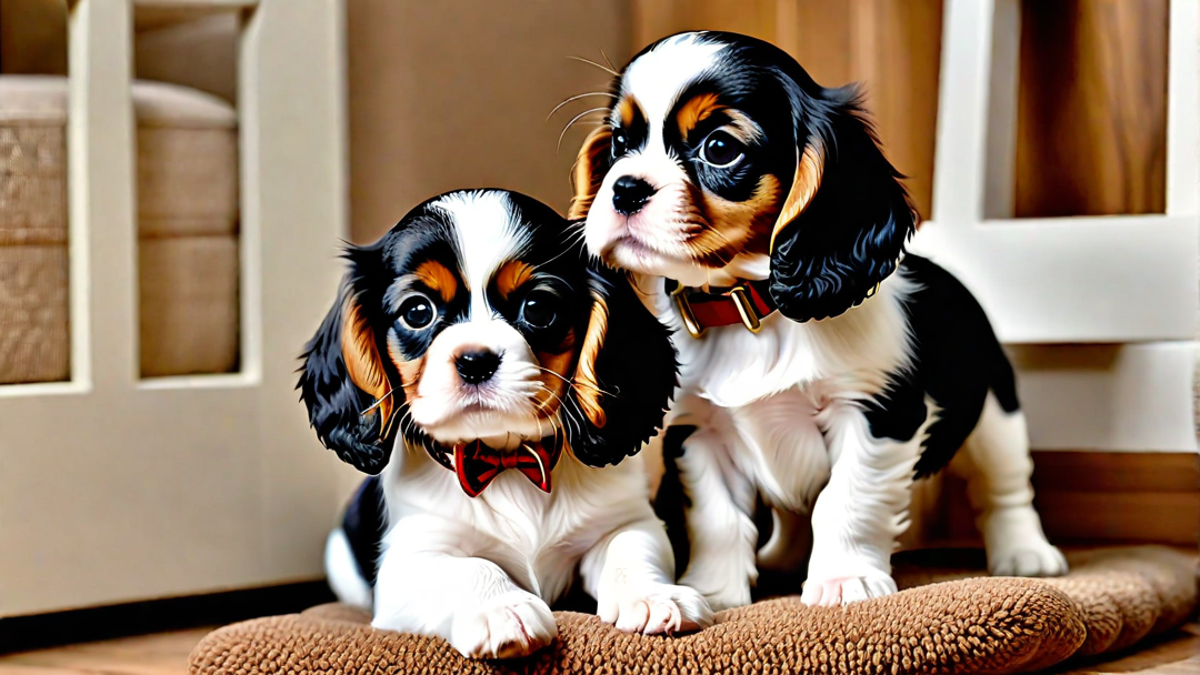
{"type": "Point", "coordinates": [511, 276]}
{"type": "Point", "coordinates": [697, 108]}
{"type": "Point", "coordinates": [627, 108]}
{"type": "Point", "coordinates": [438, 278]}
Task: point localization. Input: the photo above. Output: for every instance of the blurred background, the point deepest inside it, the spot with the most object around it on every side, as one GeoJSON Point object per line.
{"type": "Point", "coordinates": [175, 177]}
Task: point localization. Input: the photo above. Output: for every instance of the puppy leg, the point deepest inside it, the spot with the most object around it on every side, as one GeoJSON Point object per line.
{"type": "Point", "coordinates": [996, 463]}
{"type": "Point", "coordinates": [629, 573]}
{"type": "Point", "coordinates": [720, 527]}
{"type": "Point", "coordinates": [470, 602]}
{"type": "Point", "coordinates": [859, 513]}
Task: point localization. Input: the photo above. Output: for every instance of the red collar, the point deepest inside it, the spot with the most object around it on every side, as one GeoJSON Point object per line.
{"type": "Point", "coordinates": [747, 303]}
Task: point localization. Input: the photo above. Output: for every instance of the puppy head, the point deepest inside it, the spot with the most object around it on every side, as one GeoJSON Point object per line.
{"type": "Point", "coordinates": [720, 146]}
{"type": "Point", "coordinates": [481, 317]}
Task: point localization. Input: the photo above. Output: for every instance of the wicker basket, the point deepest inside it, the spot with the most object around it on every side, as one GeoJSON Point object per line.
{"type": "Point", "coordinates": [187, 231]}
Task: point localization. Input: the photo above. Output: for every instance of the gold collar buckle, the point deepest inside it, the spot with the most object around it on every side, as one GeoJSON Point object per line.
{"type": "Point", "coordinates": [745, 307]}
{"type": "Point", "coordinates": [685, 310]}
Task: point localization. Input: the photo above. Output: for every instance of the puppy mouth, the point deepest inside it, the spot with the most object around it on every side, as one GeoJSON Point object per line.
{"type": "Point", "coordinates": [628, 249]}
{"type": "Point", "coordinates": [634, 246]}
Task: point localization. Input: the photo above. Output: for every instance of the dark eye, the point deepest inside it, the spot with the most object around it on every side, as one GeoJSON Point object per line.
{"type": "Point", "coordinates": [721, 150]}
{"type": "Point", "coordinates": [540, 309]}
{"type": "Point", "coordinates": [620, 143]}
{"type": "Point", "coordinates": [416, 311]}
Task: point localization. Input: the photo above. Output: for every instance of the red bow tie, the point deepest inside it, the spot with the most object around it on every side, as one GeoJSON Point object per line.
{"type": "Point", "coordinates": [477, 465]}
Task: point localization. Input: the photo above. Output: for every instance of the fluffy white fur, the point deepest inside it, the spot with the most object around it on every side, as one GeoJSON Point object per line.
{"type": "Point", "coordinates": [996, 463]}
{"type": "Point", "coordinates": [342, 572]}
{"type": "Point", "coordinates": [780, 413]}
{"type": "Point", "coordinates": [481, 572]}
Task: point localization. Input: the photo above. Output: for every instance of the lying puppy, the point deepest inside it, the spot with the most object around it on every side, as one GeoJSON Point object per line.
{"type": "Point", "coordinates": [764, 203]}
{"type": "Point", "coordinates": [477, 337]}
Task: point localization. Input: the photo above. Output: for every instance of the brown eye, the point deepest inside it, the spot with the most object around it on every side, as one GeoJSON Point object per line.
{"type": "Point", "coordinates": [416, 312]}
{"type": "Point", "coordinates": [540, 309]}
{"type": "Point", "coordinates": [721, 150]}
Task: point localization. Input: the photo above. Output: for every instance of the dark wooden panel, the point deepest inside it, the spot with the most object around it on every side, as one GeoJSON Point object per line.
{"type": "Point", "coordinates": [1117, 471]}
{"type": "Point", "coordinates": [1158, 517]}
{"type": "Point", "coordinates": [1091, 121]}
{"type": "Point", "coordinates": [1147, 497]}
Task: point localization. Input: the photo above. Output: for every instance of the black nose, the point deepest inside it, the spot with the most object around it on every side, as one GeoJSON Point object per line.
{"type": "Point", "coordinates": [630, 194]}
{"type": "Point", "coordinates": [476, 367]}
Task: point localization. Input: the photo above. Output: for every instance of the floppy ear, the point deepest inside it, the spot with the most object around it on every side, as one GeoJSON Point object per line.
{"type": "Point", "coordinates": [344, 384]}
{"type": "Point", "coordinates": [625, 376]}
{"type": "Point", "coordinates": [846, 218]}
{"type": "Point", "coordinates": [588, 173]}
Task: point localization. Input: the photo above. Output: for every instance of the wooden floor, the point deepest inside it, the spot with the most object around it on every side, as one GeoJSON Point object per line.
{"type": "Point", "coordinates": [166, 654]}
{"type": "Point", "coordinates": [159, 654]}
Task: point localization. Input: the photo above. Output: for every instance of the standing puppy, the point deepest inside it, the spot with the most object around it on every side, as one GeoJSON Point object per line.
{"type": "Point", "coordinates": [512, 376]}
{"type": "Point", "coordinates": [822, 368]}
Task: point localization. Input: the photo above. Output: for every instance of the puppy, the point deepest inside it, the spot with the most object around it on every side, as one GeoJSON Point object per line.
{"type": "Point", "coordinates": [511, 376]}
{"type": "Point", "coordinates": [822, 369]}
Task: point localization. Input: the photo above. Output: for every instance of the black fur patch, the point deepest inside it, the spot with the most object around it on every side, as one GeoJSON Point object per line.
{"type": "Point", "coordinates": [672, 501]}
{"type": "Point", "coordinates": [364, 523]}
{"type": "Point", "coordinates": [957, 359]}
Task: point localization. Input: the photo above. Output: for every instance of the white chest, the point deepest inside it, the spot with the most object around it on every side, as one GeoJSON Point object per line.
{"type": "Point", "coordinates": [537, 538]}
{"type": "Point", "coordinates": [854, 353]}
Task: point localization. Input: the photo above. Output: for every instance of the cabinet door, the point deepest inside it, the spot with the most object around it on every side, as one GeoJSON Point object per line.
{"type": "Point", "coordinates": [115, 488]}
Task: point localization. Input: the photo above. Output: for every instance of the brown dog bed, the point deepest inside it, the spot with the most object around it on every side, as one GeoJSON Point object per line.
{"type": "Point", "coordinates": [949, 620]}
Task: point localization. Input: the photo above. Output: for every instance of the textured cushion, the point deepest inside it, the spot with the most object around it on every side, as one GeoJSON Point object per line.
{"type": "Point", "coordinates": [187, 173]}
{"type": "Point", "coordinates": [34, 343]}
{"type": "Point", "coordinates": [1112, 599]}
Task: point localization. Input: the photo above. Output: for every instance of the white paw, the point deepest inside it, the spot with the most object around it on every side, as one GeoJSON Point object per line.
{"type": "Point", "coordinates": [1028, 559]}
{"type": "Point", "coordinates": [656, 609]}
{"type": "Point", "coordinates": [511, 625]}
{"type": "Point", "coordinates": [721, 594]}
{"type": "Point", "coordinates": [835, 591]}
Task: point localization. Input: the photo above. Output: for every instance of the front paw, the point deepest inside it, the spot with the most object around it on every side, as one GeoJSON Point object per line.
{"type": "Point", "coordinates": [656, 609]}
{"type": "Point", "coordinates": [508, 626]}
{"type": "Point", "coordinates": [836, 591]}
{"type": "Point", "coordinates": [1028, 559]}
{"type": "Point", "coordinates": [1016, 545]}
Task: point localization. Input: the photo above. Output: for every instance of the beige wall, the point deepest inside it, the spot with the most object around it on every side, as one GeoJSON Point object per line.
{"type": "Point", "coordinates": [455, 93]}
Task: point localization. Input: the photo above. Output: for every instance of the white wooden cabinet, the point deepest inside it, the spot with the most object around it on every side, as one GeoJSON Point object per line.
{"type": "Point", "coordinates": [1080, 279]}
{"type": "Point", "coordinates": [1128, 281]}
{"type": "Point", "coordinates": [115, 489]}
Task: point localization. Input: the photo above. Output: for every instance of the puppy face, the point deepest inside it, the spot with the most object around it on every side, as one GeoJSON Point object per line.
{"type": "Point", "coordinates": [477, 318]}
{"type": "Point", "coordinates": [719, 146]}
{"type": "Point", "coordinates": [694, 176]}
{"type": "Point", "coordinates": [482, 319]}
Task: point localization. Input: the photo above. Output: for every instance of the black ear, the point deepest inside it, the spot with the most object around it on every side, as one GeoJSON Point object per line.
{"type": "Point", "coordinates": [847, 217]}
{"type": "Point", "coordinates": [625, 376]}
{"type": "Point", "coordinates": [344, 382]}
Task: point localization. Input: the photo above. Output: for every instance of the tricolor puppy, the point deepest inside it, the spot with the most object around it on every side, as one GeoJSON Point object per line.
{"type": "Point", "coordinates": [822, 369]}
{"type": "Point", "coordinates": [497, 378]}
